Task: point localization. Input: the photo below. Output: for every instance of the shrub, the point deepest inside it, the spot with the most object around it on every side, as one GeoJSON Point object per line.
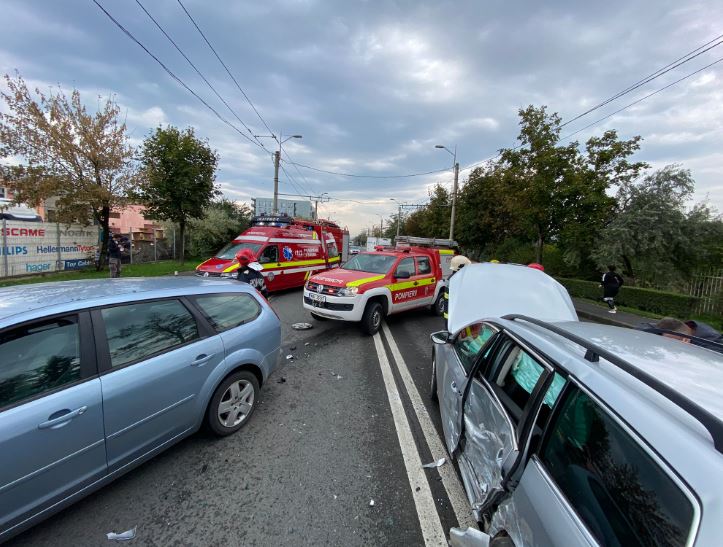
{"type": "Point", "coordinates": [659, 302]}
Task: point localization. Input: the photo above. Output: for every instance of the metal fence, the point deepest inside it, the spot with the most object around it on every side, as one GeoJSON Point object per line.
{"type": "Point", "coordinates": [708, 286]}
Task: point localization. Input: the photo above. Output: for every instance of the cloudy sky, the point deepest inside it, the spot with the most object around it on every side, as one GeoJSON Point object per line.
{"type": "Point", "coordinates": [373, 85]}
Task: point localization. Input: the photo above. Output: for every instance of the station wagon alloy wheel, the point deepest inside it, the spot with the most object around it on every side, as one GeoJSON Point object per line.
{"type": "Point", "coordinates": [233, 403]}
{"type": "Point", "coordinates": [236, 403]}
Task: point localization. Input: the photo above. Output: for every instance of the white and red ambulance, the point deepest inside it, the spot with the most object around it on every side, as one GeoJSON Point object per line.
{"type": "Point", "coordinates": [372, 285]}
{"type": "Point", "coordinates": [289, 250]}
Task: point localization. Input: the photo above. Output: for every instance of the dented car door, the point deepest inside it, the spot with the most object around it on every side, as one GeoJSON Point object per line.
{"type": "Point", "coordinates": [494, 411]}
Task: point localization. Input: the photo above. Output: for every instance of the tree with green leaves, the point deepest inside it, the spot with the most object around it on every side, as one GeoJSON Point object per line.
{"type": "Point", "coordinates": [178, 174]}
{"type": "Point", "coordinates": [81, 159]}
{"type": "Point", "coordinates": [222, 221]}
{"type": "Point", "coordinates": [652, 234]}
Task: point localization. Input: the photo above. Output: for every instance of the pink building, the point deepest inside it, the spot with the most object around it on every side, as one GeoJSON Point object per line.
{"type": "Point", "coordinates": [130, 220]}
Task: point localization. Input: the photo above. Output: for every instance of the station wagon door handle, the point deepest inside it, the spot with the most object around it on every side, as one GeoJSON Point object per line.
{"type": "Point", "coordinates": [201, 360]}
{"type": "Point", "coordinates": [454, 388]}
{"type": "Point", "coordinates": [63, 418]}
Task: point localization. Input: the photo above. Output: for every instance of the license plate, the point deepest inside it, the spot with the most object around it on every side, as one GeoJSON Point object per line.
{"type": "Point", "coordinates": [317, 298]}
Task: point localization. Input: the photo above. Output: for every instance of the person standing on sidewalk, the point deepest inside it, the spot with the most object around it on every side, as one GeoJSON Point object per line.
{"type": "Point", "coordinates": [611, 283]}
{"type": "Point", "coordinates": [114, 257]}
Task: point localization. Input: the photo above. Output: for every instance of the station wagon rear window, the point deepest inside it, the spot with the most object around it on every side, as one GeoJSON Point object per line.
{"type": "Point", "coordinates": [143, 329]}
{"type": "Point", "coordinates": [619, 491]}
{"type": "Point", "coordinates": [227, 311]}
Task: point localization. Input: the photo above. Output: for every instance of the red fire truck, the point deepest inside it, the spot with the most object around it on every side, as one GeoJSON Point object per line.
{"type": "Point", "coordinates": [289, 250]}
{"type": "Point", "coordinates": [388, 280]}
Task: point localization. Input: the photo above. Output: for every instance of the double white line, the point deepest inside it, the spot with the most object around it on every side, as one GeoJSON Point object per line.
{"type": "Point", "coordinates": [430, 524]}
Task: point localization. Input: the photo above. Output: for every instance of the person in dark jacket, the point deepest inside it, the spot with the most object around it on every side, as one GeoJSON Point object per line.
{"type": "Point", "coordinates": [114, 257]}
{"type": "Point", "coordinates": [611, 283]}
{"type": "Point", "coordinates": [249, 272]}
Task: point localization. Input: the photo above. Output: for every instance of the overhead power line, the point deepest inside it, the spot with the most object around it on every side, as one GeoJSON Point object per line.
{"type": "Point", "coordinates": [224, 66]}
{"type": "Point", "coordinates": [338, 173]}
{"type": "Point", "coordinates": [172, 75]}
{"type": "Point", "coordinates": [650, 77]}
{"type": "Point", "coordinates": [210, 86]}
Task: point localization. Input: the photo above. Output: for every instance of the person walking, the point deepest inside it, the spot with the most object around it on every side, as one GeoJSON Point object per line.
{"type": "Point", "coordinates": [611, 283]}
{"type": "Point", "coordinates": [114, 257]}
{"type": "Point", "coordinates": [249, 271]}
{"type": "Point", "coordinates": [456, 264]}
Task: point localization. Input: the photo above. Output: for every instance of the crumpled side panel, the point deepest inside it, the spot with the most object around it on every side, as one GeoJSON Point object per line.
{"type": "Point", "coordinates": [507, 518]}
{"type": "Point", "coordinates": [471, 537]}
{"type": "Point", "coordinates": [488, 439]}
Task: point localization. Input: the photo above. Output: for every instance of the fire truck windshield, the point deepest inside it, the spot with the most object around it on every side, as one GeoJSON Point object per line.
{"type": "Point", "coordinates": [369, 262]}
{"type": "Point", "coordinates": [229, 251]}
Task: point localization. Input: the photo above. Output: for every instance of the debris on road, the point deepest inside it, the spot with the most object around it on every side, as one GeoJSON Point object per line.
{"type": "Point", "coordinates": [438, 463]}
{"type": "Point", "coordinates": [123, 536]}
{"type": "Point", "coordinates": [289, 357]}
{"type": "Point", "coordinates": [302, 326]}
{"type": "Point", "coordinates": [471, 537]}
{"type": "Point", "coordinates": [292, 348]}
{"type": "Point", "coordinates": [204, 468]}
{"type": "Point", "coordinates": [281, 380]}
{"type": "Point", "coordinates": [371, 503]}
{"type": "Point", "coordinates": [306, 343]}
{"type": "Point", "coordinates": [339, 377]}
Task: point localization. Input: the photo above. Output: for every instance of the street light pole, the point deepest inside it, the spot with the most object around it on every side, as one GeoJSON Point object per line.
{"type": "Point", "coordinates": [399, 214]}
{"type": "Point", "coordinates": [277, 162]}
{"type": "Point", "coordinates": [455, 168]}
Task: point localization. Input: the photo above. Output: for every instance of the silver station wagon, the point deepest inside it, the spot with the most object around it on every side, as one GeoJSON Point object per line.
{"type": "Point", "coordinates": [571, 433]}
{"type": "Point", "coordinates": [98, 376]}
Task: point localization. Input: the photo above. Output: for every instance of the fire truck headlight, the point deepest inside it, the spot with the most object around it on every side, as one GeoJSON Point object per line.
{"type": "Point", "coordinates": [348, 291]}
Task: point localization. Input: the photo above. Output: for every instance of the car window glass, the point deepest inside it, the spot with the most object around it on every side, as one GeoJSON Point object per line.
{"type": "Point", "coordinates": [618, 490]}
{"type": "Point", "coordinates": [332, 250]}
{"type": "Point", "coordinates": [269, 254]}
{"type": "Point", "coordinates": [37, 358]}
{"type": "Point", "coordinates": [470, 341]}
{"type": "Point", "coordinates": [227, 311]}
{"type": "Point", "coordinates": [406, 265]}
{"type": "Point", "coordinates": [423, 266]}
{"type": "Point", "coordinates": [142, 329]}
{"type": "Point", "coordinates": [515, 380]}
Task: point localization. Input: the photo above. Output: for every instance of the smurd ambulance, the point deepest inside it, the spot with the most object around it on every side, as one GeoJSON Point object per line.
{"type": "Point", "coordinates": [388, 280]}
{"type": "Point", "coordinates": [289, 250]}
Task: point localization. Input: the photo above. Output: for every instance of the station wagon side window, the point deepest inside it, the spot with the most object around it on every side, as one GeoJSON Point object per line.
{"type": "Point", "coordinates": [513, 378]}
{"type": "Point", "coordinates": [144, 329]}
{"type": "Point", "coordinates": [269, 254]}
{"type": "Point", "coordinates": [470, 341]}
{"type": "Point", "coordinates": [423, 265]}
{"type": "Point", "coordinates": [38, 357]}
{"type": "Point", "coordinates": [613, 484]}
{"type": "Point", "coordinates": [226, 311]}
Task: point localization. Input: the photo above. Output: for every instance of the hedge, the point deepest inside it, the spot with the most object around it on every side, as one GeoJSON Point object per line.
{"type": "Point", "coordinates": [672, 304]}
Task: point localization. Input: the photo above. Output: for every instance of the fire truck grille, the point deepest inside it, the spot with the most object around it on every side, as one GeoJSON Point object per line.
{"type": "Point", "coordinates": [323, 289]}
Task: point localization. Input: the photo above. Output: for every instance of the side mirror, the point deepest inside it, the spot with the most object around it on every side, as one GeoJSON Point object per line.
{"type": "Point", "coordinates": [441, 337]}
{"type": "Point", "coordinates": [402, 275]}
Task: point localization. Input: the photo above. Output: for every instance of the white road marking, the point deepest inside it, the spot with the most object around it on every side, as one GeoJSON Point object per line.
{"type": "Point", "coordinates": [455, 491]}
{"type": "Point", "coordinates": [429, 522]}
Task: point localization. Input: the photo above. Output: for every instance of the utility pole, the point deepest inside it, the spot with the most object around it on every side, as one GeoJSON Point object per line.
{"type": "Point", "coordinates": [277, 159]}
{"type": "Point", "coordinates": [454, 199]}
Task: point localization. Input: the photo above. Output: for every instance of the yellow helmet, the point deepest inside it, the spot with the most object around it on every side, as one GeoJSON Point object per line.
{"type": "Point", "coordinates": [459, 262]}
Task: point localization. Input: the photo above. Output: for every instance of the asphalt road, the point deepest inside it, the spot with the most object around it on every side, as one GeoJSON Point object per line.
{"type": "Point", "coordinates": [327, 438]}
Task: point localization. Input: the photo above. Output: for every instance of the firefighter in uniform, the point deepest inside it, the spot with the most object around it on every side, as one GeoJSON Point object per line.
{"type": "Point", "coordinates": [249, 271]}
{"type": "Point", "coordinates": [458, 262]}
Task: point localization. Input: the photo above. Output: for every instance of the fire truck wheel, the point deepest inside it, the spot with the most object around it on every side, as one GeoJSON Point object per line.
{"type": "Point", "coordinates": [319, 317]}
{"type": "Point", "coordinates": [372, 318]}
{"type": "Point", "coordinates": [438, 307]}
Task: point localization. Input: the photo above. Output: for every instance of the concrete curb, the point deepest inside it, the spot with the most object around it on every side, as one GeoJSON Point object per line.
{"type": "Point", "coordinates": [600, 318]}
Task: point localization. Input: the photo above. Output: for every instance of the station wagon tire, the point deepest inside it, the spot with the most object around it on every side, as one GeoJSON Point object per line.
{"type": "Point", "coordinates": [372, 318]}
{"type": "Point", "coordinates": [438, 306]}
{"type": "Point", "coordinates": [433, 384]}
{"type": "Point", "coordinates": [319, 317]}
{"type": "Point", "coordinates": [232, 403]}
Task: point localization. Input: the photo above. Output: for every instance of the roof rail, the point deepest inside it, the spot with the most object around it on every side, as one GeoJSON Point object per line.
{"type": "Point", "coordinates": [593, 354]}
{"type": "Point", "coordinates": [425, 241]}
